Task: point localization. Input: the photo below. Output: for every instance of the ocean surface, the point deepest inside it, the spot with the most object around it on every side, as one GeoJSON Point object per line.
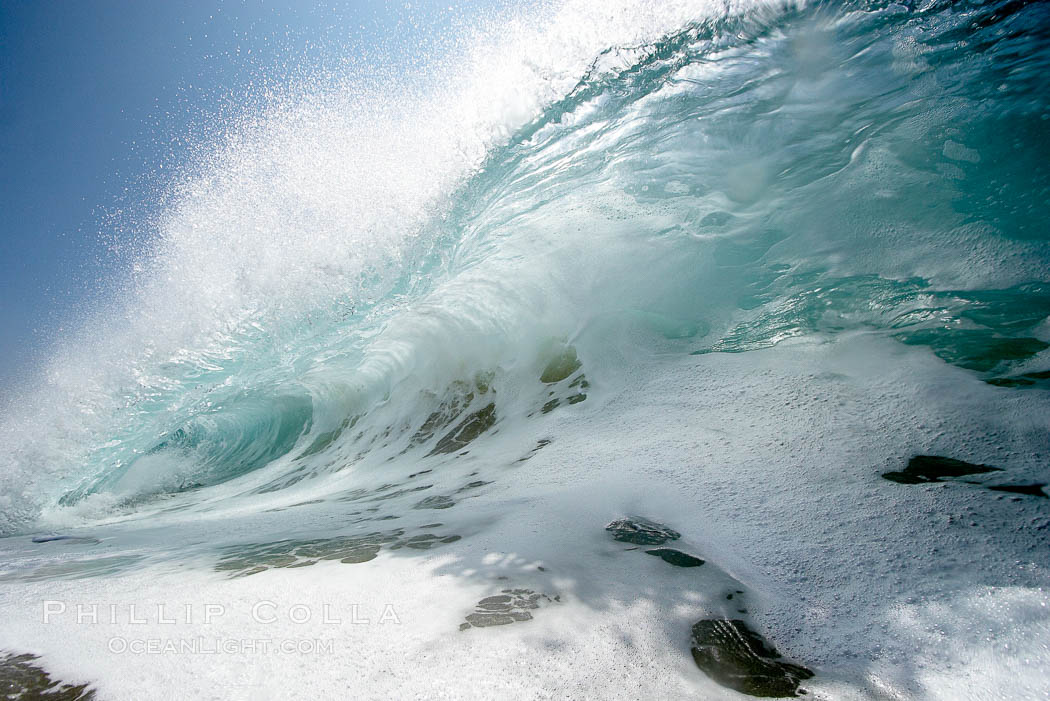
{"type": "Point", "coordinates": [396, 347]}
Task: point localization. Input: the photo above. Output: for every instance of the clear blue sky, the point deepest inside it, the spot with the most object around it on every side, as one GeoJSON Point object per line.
{"type": "Point", "coordinates": [91, 94]}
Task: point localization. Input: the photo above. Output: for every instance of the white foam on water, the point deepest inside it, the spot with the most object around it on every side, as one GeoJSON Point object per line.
{"type": "Point", "coordinates": [881, 588]}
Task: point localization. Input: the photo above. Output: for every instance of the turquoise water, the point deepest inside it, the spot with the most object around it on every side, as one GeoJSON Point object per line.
{"type": "Point", "coordinates": [776, 173]}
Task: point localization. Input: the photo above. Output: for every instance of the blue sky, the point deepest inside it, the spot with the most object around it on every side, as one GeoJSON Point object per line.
{"type": "Point", "coordinates": [93, 93]}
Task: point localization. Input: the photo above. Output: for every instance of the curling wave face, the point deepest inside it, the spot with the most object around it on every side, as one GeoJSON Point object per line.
{"type": "Point", "coordinates": [355, 272]}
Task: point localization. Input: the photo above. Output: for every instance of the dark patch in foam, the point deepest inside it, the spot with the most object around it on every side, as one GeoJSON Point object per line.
{"type": "Point", "coordinates": [641, 531]}
{"type": "Point", "coordinates": [436, 502]}
{"type": "Point", "coordinates": [737, 657]}
{"type": "Point", "coordinates": [373, 495]}
{"type": "Point", "coordinates": [283, 482]}
{"type": "Point", "coordinates": [76, 569]}
{"type": "Point", "coordinates": [1035, 490]}
{"type": "Point", "coordinates": [472, 485]}
{"type": "Point", "coordinates": [728, 651]}
{"type": "Point", "coordinates": [975, 349]}
{"type": "Point", "coordinates": [675, 557]}
{"type": "Point", "coordinates": [1028, 379]}
{"type": "Point", "coordinates": [292, 506]}
{"type": "Point", "coordinates": [20, 679]}
{"type": "Point", "coordinates": [73, 540]}
{"type": "Point", "coordinates": [467, 430]}
{"type": "Point", "coordinates": [246, 560]}
{"type": "Point", "coordinates": [326, 439]}
{"type": "Point", "coordinates": [560, 369]}
{"type": "Point", "coordinates": [555, 403]}
{"type": "Point", "coordinates": [540, 445]}
{"type": "Point", "coordinates": [424, 541]}
{"type": "Point", "coordinates": [463, 395]}
{"type": "Point", "coordinates": [509, 606]}
{"type": "Point", "coordinates": [927, 469]}
{"type": "Point", "coordinates": [561, 366]}
{"type": "Point", "coordinates": [442, 417]}
{"type": "Point", "coordinates": [934, 468]}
